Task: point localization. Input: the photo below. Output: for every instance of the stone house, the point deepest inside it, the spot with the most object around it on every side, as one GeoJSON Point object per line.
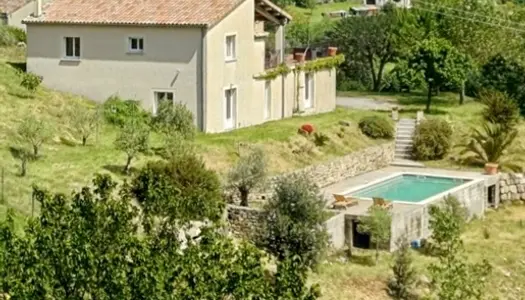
{"type": "Point", "coordinates": [12, 12]}
{"type": "Point", "coordinates": [215, 56]}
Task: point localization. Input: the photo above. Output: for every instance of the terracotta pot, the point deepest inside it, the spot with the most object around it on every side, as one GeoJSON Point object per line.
{"type": "Point", "coordinates": [332, 51]}
{"type": "Point", "coordinates": [491, 168]}
{"type": "Point", "coordinates": [299, 57]}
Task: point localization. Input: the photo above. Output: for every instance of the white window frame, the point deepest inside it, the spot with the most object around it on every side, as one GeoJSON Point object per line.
{"type": "Point", "coordinates": [309, 89]}
{"type": "Point", "coordinates": [155, 92]}
{"type": "Point", "coordinates": [74, 48]}
{"type": "Point", "coordinates": [138, 50]}
{"type": "Point", "coordinates": [233, 55]}
{"type": "Point", "coordinates": [231, 122]}
{"type": "Point", "coordinates": [267, 100]}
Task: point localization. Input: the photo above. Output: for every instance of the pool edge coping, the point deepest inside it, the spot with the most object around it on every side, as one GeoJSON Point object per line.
{"type": "Point", "coordinates": [433, 198]}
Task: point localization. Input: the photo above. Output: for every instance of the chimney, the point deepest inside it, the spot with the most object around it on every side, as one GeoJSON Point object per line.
{"type": "Point", "coordinates": [38, 8]}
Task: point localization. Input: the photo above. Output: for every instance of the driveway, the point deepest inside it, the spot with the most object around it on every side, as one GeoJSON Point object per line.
{"type": "Point", "coordinates": [364, 103]}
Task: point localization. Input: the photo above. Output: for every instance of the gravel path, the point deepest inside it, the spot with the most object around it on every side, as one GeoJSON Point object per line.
{"type": "Point", "coordinates": [363, 103]}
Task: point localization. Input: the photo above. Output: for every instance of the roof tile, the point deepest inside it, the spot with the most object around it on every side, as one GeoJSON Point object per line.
{"type": "Point", "coordinates": [9, 6]}
{"type": "Point", "coordinates": [135, 12]}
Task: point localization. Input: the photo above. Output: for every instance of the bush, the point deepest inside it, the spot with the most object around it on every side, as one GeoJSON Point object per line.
{"type": "Point", "coordinates": [320, 139]}
{"type": "Point", "coordinates": [499, 108]}
{"type": "Point", "coordinates": [119, 112]}
{"type": "Point", "coordinates": [377, 127]}
{"type": "Point", "coordinates": [174, 118]}
{"type": "Point", "coordinates": [30, 81]}
{"type": "Point", "coordinates": [7, 38]}
{"type": "Point", "coordinates": [402, 79]}
{"type": "Point", "coordinates": [17, 33]}
{"type": "Point", "coordinates": [432, 139]}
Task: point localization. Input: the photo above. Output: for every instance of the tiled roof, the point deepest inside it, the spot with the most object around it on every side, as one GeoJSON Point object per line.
{"type": "Point", "coordinates": [135, 12]}
{"type": "Point", "coordinates": [9, 6]}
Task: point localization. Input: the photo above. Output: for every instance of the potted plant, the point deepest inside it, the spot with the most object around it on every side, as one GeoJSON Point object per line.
{"type": "Point", "coordinates": [299, 57]}
{"type": "Point", "coordinates": [488, 146]}
{"type": "Point", "coordinates": [332, 51]}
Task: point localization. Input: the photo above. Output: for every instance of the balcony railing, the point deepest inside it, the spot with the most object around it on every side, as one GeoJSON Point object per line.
{"type": "Point", "coordinates": [272, 59]}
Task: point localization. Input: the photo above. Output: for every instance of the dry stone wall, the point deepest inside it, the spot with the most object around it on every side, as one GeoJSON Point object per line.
{"type": "Point", "coordinates": [512, 187]}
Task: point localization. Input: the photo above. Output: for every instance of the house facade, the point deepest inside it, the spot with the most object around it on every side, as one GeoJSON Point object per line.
{"type": "Point", "coordinates": [13, 12]}
{"type": "Point", "coordinates": [211, 55]}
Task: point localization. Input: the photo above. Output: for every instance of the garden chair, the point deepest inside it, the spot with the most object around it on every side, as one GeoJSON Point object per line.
{"type": "Point", "coordinates": [382, 202]}
{"type": "Point", "coordinates": [343, 202]}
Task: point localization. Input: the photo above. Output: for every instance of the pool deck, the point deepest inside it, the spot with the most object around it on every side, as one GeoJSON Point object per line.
{"type": "Point", "coordinates": [360, 209]}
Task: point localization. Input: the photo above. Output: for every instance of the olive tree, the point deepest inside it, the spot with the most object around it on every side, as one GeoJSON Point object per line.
{"type": "Point", "coordinates": [377, 224]}
{"type": "Point", "coordinates": [295, 221]}
{"type": "Point", "coordinates": [248, 173]}
{"type": "Point", "coordinates": [132, 139]}
{"type": "Point", "coordinates": [33, 132]}
{"type": "Point", "coordinates": [83, 121]}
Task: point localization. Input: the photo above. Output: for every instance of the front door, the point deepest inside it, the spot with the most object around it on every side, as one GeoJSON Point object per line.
{"type": "Point", "coordinates": [308, 90]}
{"type": "Point", "coordinates": [230, 108]}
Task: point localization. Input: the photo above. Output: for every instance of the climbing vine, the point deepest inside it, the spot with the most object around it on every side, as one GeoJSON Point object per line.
{"type": "Point", "coordinates": [309, 66]}
{"type": "Point", "coordinates": [281, 69]}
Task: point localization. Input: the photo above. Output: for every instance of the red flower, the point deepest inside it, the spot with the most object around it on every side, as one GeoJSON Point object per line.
{"type": "Point", "coordinates": [308, 128]}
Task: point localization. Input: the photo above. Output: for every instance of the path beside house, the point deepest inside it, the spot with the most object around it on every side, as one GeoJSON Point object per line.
{"type": "Point", "coordinates": [363, 103]}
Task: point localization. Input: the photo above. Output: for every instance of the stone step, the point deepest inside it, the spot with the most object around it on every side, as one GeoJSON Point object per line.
{"type": "Point", "coordinates": [403, 136]}
{"type": "Point", "coordinates": [407, 121]}
{"type": "Point", "coordinates": [401, 162]}
{"type": "Point", "coordinates": [405, 132]}
{"type": "Point", "coordinates": [404, 157]}
{"type": "Point", "coordinates": [405, 142]}
{"type": "Point", "coordinates": [403, 148]}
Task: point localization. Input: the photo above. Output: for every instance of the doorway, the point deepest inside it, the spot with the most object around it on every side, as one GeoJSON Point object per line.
{"type": "Point", "coordinates": [491, 195]}
{"type": "Point", "coordinates": [360, 240]}
{"type": "Point", "coordinates": [230, 108]}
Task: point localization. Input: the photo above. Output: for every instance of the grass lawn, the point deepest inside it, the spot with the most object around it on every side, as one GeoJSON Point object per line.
{"type": "Point", "coordinates": [498, 238]}
{"type": "Point", "coordinates": [316, 13]}
{"type": "Point", "coordinates": [65, 167]}
{"type": "Point", "coordinates": [462, 118]}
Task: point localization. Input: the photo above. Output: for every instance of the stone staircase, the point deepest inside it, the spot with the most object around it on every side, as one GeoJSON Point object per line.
{"type": "Point", "coordinates": [404, 131]}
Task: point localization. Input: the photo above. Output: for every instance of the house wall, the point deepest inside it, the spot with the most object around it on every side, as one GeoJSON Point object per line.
{"type": "Point", "coordinates": [170, 61]}
{"type": "Point", "coordinates": [15, 18]}
{"type": "Point", "coordinates": [239, 73]}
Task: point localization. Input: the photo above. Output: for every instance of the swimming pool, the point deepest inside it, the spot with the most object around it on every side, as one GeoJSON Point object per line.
{"type": "Point", "coordinates": [409, 187]}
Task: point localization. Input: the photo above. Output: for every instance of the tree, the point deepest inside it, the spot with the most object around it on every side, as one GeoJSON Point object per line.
{"type": "Point", "coordinates": [23, 154]}
{"type": "Point", "coordinates": [377, 224]}
{"type": "Point", "coordinates": [33, 132]}
{"type": "Point", "coordinates": [500, 109]}
{"type": "Point", "coordinates": [91, 247]}
{"type": "Point", "coordinates": [440, 63]}
{"type": "Point", "coordinates": [373, 41]}
{"type": "Point", "coordinates": [453, 278]}
{"type": "Point", "coordinates": [83, 121]}
{"type": "Point", "coordinates": [248, 173]}
{"type": "Point", "coordinates": [179, 190]}
{"type": "Point", "coordinates": [174, 119]}
{"type": "Point", "coordinates": [295, 222]}
{"type": "Point", "coordinates": [132, 139]}
{"type": "Point", "coordinates": [402, 285]}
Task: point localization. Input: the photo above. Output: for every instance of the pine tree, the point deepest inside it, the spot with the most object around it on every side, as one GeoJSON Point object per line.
{"type": "Point", "coordinates": [402, 284]}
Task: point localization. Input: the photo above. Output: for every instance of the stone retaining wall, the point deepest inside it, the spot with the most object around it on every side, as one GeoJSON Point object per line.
{"type": "Point", "coordinates": [245, 222]}
{"type": "Point", "coordinates": [512, 187]}
{"type": "Point", "coordinates": [327, 173]}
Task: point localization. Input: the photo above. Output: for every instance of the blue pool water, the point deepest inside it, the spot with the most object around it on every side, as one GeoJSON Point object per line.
{"type": "Point", "coordinates": [409, 188]}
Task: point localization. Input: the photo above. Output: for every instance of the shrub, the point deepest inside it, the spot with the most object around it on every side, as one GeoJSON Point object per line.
{"type": "Point", "coordinates": [30, 81]}
{"type": "Point", "coordinates": [118, 111]}
{"type": "Point", "coordinates": [402, 79]}
{"type": "Point", "coordinates": [432, 139]}
{"type": "Point", "coordinates": [320, 139]}
{"type": "Point", "coordinates": [17, 33]}
{"type": "Point", "coordinates": [377, 127]}
{"type": "Point", "coordinates": [499, 108]}
{"type": "Point", "coordinates": [307, 128]}
{"type": "Point", "coordinates": [294, 226]}
{"type": "Point", "coordinates": [174, 118]}
{"type": "Point", "coordinates": [7, 38]}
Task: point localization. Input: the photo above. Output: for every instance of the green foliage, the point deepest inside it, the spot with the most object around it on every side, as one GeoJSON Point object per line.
{"type": "Point", "coordinates": [83, 121]}
{"type": "Point", "coordinates": [180, 190]}
{"type": "Point", "coordinates": [119, 112]}
{"type": "Point", "coordinates": [377, 224]}
{"type": "Point", "coordinates": [376, 127]}
{"type": "Point", "coordinates": [174, 118]}
{"type": "Point", "coordinates": [489, 145]}
{"type": "Point", "coordinates": [249, 172]}
{"type": "Point", "coordinates": [432, 139]}
{"type": "Point", "coordinates": [33, 133]}
{"type": "Point", "coordinates": [402, 79]}
{"type": "Point", "coordinates": [370, 43]}
{"type": "Point", "coordinates": [507, 76]}
{"type": "Point", "coordinates": [10, 35]}
{"type": "Point", "coordinates": [91, 246]}
{"type": "Point", "coordinates": [320, 139]}
{"type": "Point", "coordinates": [294, 225]}
{"type": "Point", "coordinates": [24, 155]}
{"type": "Point", "coordinates": [402, 285]}
{"type": "Point", "coordinates": [301, 32]}
{"type": "Point", "coordinates": [18, 33]}
{"type": "Point", "coordinates": [30, 81]}
{"type": "Point", "coordinates": [499, 109]}
{"type": "Point", "coordinates": [447, 222]}
{"type": "Point", "coordinates": [440, 63]}
{"type": "Point", "coordinates": [132, 139]}
{"type": "Point", "coordinates": [453, 278]}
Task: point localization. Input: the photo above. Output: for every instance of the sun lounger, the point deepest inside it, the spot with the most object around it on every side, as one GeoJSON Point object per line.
{"type": "Point", "coordinates": [382, 202]}
{"type": "Point", "coordinates": [342, 202]}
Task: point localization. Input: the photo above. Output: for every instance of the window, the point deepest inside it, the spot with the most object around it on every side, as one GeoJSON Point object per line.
{"type": "Point", "coordinates": [161, 97]}
{"type": "Point", "coordinates": [72, 47]}
{"type": "Point", "coordinates": [308, 90]}
{"type": "Point", "coordinates": [230, 47]}
{"type": "Point", "coordinates": [267, 100]}
{"type": "Point", "coordinates": [230, 100]}
{"type": "Point", "coordinates": [136, 44]}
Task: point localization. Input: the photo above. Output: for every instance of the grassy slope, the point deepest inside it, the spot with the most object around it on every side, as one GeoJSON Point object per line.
{"type": "Point", "coordinates": [504, 249]}
{"type": "Point", "coordinates": [323, 8]}
{"type": "Point", "coordinates": [63, 168]}
{"type": "Point", "coordinates": [462, 118]}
